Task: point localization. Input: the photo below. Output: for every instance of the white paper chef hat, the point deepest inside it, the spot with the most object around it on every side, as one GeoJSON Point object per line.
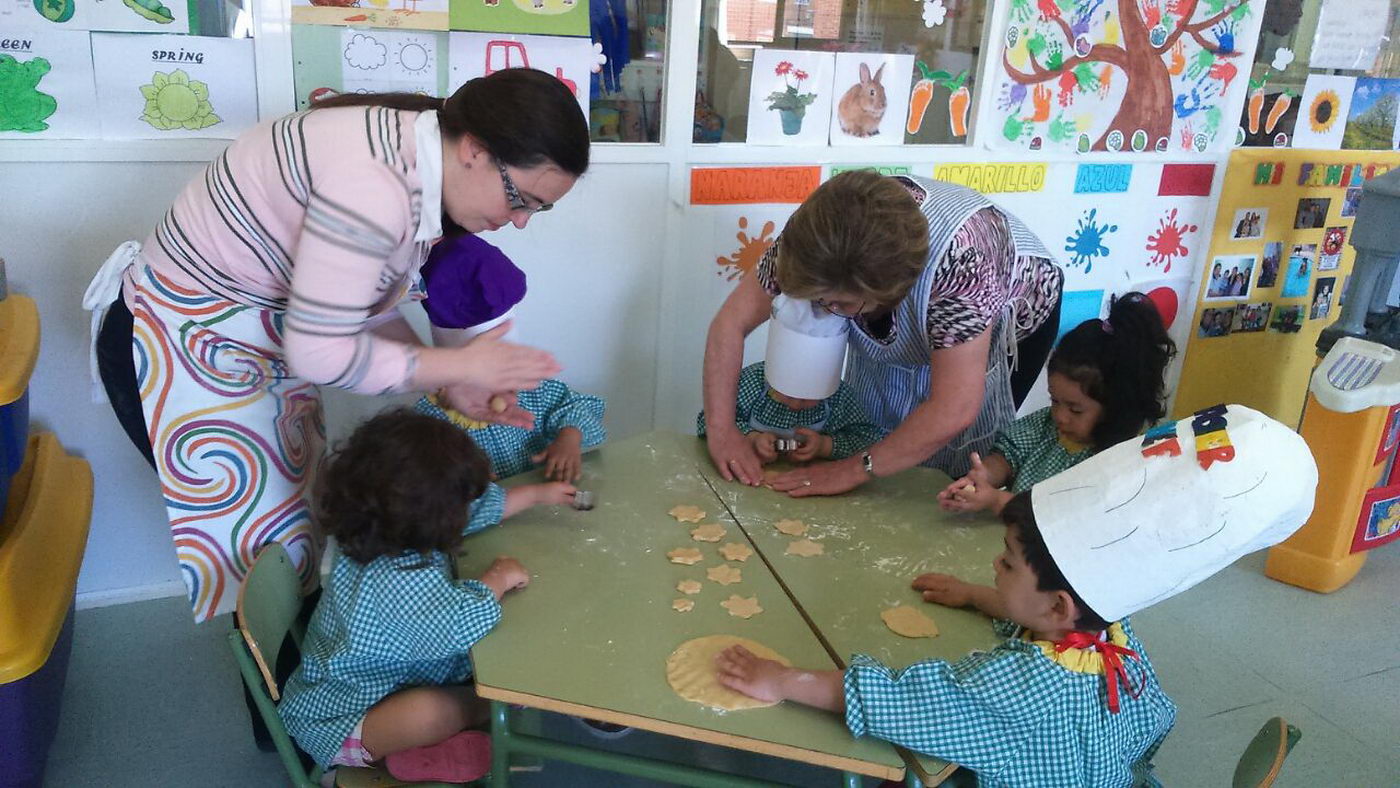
{"type": "Point", "coordinates": [806, 349]}
{"type": "Point", "coordinates": [1150, 517]}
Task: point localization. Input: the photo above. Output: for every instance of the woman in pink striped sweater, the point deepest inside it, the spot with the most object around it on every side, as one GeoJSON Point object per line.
{"type": "Point", "coordinates": [279, 270]}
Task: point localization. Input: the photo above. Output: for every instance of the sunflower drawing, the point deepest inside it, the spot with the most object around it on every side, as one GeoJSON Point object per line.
{"type": "Point", "coordinates": [1323, 112]}
{"type": "Point", "coordinates": [174, 101]}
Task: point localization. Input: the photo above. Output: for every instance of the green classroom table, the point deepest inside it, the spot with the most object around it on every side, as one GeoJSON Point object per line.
{"type": "Point", "coordinates": [591, 633]}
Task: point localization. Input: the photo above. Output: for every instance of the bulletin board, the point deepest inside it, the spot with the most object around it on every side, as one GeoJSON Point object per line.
{"type": "Point", "coordinates": [1284, 221]}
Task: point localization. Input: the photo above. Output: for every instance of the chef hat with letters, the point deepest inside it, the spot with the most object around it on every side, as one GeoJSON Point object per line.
{"type": "Point", "coordinates": [806, 349]}
{"type": "Point", "coordinates": [1150, 517]}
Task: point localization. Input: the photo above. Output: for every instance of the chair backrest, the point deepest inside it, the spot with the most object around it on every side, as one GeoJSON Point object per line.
{"type": "Point", "coordinates": [1263, 758]}
{"type": "Point", "coordinates": [268, 605]}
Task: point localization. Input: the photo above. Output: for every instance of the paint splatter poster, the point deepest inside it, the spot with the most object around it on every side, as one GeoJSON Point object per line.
{"type": "Point", "coordinates": [1088, 75]}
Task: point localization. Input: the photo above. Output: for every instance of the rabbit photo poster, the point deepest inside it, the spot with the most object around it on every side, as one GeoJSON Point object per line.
{"type": "Point", "coordinates": [870, 103]}
{"type": "Point", "coordinates": [790, 99]}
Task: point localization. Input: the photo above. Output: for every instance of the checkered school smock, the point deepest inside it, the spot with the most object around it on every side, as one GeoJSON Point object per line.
{"type": "Point", "coordinates": [839, 415]}
{"type": "Point", "coordinates": [1020, 714]}
{"type": "Point", "coordinates": [554, 406]}
{"type": "Point", "coordinates": [1032, 447]}
{"type": "Point", "coordinates": [395, 622]}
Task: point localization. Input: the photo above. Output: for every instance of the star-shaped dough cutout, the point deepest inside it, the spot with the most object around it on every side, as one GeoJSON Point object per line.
{"type": "Point", "coordinates": [689, 586]}
{"type": "Point", "coordinates": [683, 605]}
{"type": "Point", "coordinates": [687, 513]}
{"type": "Point", "coordinates": [709, 532]}
{"type": "Point", "coordinates": [685, 555]}
{"type": "Point", "coordinates": [805, 548]}
{"type": "Point", "coordinates": [724, 574]}
{"type": "Point", "coordinates": [742, 607]}
{"type": "Point", "coordinates": [791, 527]}
{"type": "Point", "coordinates": [736, 551]}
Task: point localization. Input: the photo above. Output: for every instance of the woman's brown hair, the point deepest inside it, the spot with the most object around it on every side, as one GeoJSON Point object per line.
{"type": "Point", "coordinates": [402, 482]}
{"type": "Point", "coordinates": [522, 116]}
{"type": "Point", "coordinates": [859, 233]}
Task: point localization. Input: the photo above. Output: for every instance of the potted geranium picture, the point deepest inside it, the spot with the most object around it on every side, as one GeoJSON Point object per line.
{"type": "Point", "coordinates": [791, 103]}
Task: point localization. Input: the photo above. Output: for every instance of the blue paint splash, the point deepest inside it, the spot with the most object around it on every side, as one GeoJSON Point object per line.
{"type": "Point", "coordinates": [1087, 241]}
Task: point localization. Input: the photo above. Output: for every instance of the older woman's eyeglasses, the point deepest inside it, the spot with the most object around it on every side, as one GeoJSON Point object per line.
{"type": "Point", "coordinates": [513, 198]}
{"type": "Point", "coordinates": [839, 309]}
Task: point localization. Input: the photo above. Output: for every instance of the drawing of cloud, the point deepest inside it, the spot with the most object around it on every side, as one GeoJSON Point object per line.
{"type": "Point", "coordinates": [365, 52]}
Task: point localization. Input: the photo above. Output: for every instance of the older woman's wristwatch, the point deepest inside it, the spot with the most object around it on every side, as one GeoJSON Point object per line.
{"type": "Point", "coordinates": [867, 463]}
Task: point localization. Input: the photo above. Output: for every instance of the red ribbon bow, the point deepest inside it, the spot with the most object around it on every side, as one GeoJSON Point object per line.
{"type": "Point", "coordinates": [1113, 668]}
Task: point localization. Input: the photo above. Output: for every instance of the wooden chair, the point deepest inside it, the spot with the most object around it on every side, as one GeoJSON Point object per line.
{"type": "Point", "coordinates": [268, 606]}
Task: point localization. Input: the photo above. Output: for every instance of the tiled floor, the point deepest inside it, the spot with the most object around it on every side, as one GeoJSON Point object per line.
{"type": "Point", "coordinates": [153, 700]}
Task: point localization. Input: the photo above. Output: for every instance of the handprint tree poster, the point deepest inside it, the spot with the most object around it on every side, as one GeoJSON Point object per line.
{"type": "Point", "coordinates": [1130, 76]}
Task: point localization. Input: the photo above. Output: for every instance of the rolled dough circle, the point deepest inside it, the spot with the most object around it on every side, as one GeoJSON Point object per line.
{"type": "Point", "coordinates": [691, 672]}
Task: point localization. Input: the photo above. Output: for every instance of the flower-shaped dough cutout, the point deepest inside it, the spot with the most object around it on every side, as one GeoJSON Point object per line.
{"type": "Point", "coordinates": [741, 606]}
{"type": "Point", "coordinates": [685, 555]}
{"type": "Point", "coordinates": [709, 532]}
{"type": "Point", "coordinates": [689, 586]}
{"type": "Point", "coordinates": [687, 513]}
{"type": "Point", "coordinates": [736, 551]}
{"type": "Point", "coordinates": [724, 574]}
{"type": "Point", "coordinates": [805, 548]}
{"type": "Point", "coordinates": [683, 605]}
{"type": "Point", "coordinates": [791, 527]}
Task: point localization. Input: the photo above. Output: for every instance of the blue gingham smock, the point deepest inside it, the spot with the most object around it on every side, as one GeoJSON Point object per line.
{"type": "Point", "coordinates": [554, 406]}
{"type": "Point", "coordinates": [1020, 714]}
{"type": "Point", "coordinates": [839, 415]}
{"type": "Point", "coordinates": [398, 621]}
{"type": "Point", "coordinates": [1034, 450]}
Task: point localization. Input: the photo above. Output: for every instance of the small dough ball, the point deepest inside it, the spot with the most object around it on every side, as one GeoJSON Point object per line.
{"type": "Point", "coordinates": [498, 404]}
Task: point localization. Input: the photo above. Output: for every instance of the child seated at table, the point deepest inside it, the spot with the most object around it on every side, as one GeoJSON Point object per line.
{"type": "Point", "coordinates": [1106, 385]}
{"type": "Point", "coordinates": [565, 421]}
{"type": "Point", "coordinates": [797, 393]}
{"type": "Point", "coordinates": [1070, 697]}
{"type": "Point", "coordinates": [385, 661]}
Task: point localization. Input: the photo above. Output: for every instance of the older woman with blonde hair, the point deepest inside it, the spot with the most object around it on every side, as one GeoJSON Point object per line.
{"type": "Point", "coordinates": [953, 305]}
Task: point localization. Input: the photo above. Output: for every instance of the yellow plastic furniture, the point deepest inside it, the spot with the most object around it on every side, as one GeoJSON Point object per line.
{"type": "Point", "coordinates": [42, 538]}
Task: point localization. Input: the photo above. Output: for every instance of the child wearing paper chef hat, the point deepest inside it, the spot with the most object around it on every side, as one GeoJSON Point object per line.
{"type": "Point", "coordinates": [1070, 698]}
{"type": "Point", "coordinates": [473, 287]}
{"type": "Point", "coordinates": [796, 393]}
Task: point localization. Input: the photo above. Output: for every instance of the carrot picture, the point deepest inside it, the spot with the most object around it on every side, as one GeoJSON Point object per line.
{"type": "Point", "coordinates": [1255, 106]}
{"type": "Point", "coordinates": [921, 96]}
{"type": "Point", "coordinates": [958, 104]}
{"type": "Point", "coordinates": [1276, 111]}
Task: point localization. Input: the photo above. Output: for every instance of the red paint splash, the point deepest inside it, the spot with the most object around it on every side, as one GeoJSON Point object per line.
{"type": "Point", "coordinates": [1168, 242]}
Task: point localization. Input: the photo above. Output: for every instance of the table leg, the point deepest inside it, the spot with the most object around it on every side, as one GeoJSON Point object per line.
{"type": "Point", "coordinates": [850, 780]}
{"type": "Point", "coordinates": [912, 780]}
{"type": "Point", "coordinates": [500, 744]}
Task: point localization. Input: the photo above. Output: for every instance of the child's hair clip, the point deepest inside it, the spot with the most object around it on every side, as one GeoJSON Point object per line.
{"type": "Point", "coordinates": [787, 444]}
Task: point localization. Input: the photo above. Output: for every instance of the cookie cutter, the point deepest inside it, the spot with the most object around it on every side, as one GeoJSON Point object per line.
{"type": "Point", "coordinates": [583, 500]}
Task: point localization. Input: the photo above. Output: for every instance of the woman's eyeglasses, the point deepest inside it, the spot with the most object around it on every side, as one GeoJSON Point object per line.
{"type": "Point", "coordinates": [513, 198]}
{"type": "Point", "coordinates": [832, 309]}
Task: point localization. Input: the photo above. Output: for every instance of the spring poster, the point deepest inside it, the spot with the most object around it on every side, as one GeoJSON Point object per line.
{"type": "Point", "coordinates": [128, 16]}
{"type": "Point", "coordinates": [50, 92]}
{"type": "Point", "coordinates": [163, 87]}
{"type": "Point", "coordinates": [554, 17]}
{"type": "Point", "coordinates": [1093, 75]}
{"type": "Point", "coordinates": [391, 14]}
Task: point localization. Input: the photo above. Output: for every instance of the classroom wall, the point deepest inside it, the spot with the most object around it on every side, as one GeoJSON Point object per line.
{"type": "Point", "coordinates": [595, 279]}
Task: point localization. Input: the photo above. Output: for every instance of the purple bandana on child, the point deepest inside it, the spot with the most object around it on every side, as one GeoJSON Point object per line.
{"type": "Point", "coordinates": [469, 282]}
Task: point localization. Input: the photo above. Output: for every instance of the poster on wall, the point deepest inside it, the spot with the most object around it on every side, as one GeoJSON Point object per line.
{"type": "Point", "coordinates": [330, 60]}
{"type": "Point", "coordinates": [790, 97]}
{"type": "Point", "coordinates": [553, 17]}
{"type": "Point", "coordinates": [570, 60]}
{"type": "Point", "coordinates": [871, 105]}
{"type": "Point", "coordinates": [1371, 119]}
{"type": "Point", "coordinates": [128, 16]}
{"type": "Point", "coordinates": [163, 87]}
{"type": "Point", "coordinates": [1324, 106]}
{"type": "Point", "coordinates": [50, 93]}
{"type": "Point", "coordinates": [390, 14]}
{"type": "Point", "coordinates": [1078, 76]}
{"type": "Point", "coordinates": [1349, 34]}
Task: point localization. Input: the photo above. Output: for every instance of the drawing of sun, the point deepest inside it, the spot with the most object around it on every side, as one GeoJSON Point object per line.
{"type": "Point", "coordinates": [1323, 112]}
{"type": "Point", "coordinates": [413, 56]}
{"type": "Point", "coordinates": [174, 101]}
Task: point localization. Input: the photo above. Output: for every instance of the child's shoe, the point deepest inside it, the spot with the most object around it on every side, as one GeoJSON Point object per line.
{"type": "Point", "coordinates": [460, 759]}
